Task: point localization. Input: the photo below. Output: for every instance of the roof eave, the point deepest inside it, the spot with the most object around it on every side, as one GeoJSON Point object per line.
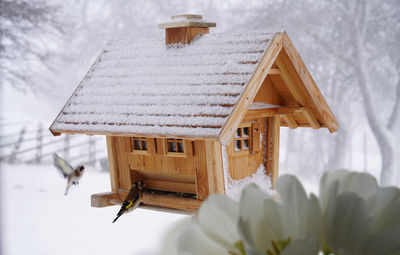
{"type": "Point", "coordinates": [322, 108]}
{"type": "Point", "coordinates": [252, 87]}
{"type": "Point", "coordinates": [52, 130]}
{"type": "Point", "coordinates": [107, 133]}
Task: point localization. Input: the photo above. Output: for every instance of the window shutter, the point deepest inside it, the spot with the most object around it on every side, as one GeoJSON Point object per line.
{"type": "Point", "coordinates": [255, 137]}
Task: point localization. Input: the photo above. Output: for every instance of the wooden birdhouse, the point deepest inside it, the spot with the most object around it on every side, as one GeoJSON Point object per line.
{"type": "Point", "coordinates": [194, 113]}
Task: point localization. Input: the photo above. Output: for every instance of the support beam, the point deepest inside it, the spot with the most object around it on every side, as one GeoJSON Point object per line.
{"type": "Point", "coordinates": [290, 82]}
{"type": "Point", "coordinates": [124, 146]}
{"type": "Point", "coordinates": [282, 89]}
{"type": "Point", "coordinates": [201, 173]}
{"type": "Point", "coordinates": [262, 113]}
{"type": "Point", "coordinates": [274, 71]}
{"type": "Point", "coordinates": [275, 147]}
{"type": "Point", "coordinates": [215, 171]}
{"type": "Point", "coordinates": [290, 121]}
{"type": "Point", "coordinates": [112, 152]}
{"type": "Point", "coordinates": [311, 119]}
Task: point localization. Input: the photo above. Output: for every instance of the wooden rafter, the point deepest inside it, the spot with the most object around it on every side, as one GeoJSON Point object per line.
{"type": "Point", "coordinates": [290, 121]}
{"type": "Point", "coordinates": [290, 82]}
{"type": "Point", "coordinates": [318, 104]}
{"type": "Point", "coordinates": [262, 113]}
{"type": "Point", "coordinates": [311, 119]}
{"type": "Point", "coordinates": [283, 91]}
{"type": "Point", "coordinates": [251, 90]}
{"type": "Point", "coordinates": [274, 71]}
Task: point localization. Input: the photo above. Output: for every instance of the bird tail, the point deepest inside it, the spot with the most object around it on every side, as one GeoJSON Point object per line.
{"type": "Point", "coordinates": [119, 215]}
{"type": "Point", "coordinates": [67, 189]}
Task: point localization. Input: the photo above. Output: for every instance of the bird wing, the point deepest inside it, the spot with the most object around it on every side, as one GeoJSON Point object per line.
{"type": "Point", "coordinates": [62, 165]}
{"type": "Point", "coordinates": [130, 200]}
{"type": "Point", "coordinates": [128, 203]}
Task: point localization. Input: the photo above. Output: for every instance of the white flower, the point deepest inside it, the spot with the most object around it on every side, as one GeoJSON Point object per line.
{"type": "Point", "coordinates": [214, 230]}
{"type": "Point", "coordinates": [257, 225]}
{"type": "Point", "coordinates": [358, 216]}
{"type": "Point", "coordinates": [288, 226]}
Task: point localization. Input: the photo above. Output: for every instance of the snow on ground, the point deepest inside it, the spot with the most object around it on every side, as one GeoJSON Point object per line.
{"type": "Point", "coordinates": [36, 217]}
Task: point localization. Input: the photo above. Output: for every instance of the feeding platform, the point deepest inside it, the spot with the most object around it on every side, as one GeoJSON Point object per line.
{"type": "Point", "coordinates": [194, 113]}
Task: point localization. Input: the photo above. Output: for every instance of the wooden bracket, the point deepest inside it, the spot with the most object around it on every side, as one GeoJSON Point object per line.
{"type": "Point", "coordinates": [311, 119]}
{"type": "Point", "coordinates": [290, 121]}
{"type": "Point", "coordinates": [274, 71]}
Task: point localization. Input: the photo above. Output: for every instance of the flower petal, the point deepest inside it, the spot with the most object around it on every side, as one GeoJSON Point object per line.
{"type": "Point", "coordinates": [193, 241]}
{"type": "Point", "coordinates": [346, 223]}
{"type": "Point", "coordinates": [314, 219]}
{"type": "Point", "coordinates": [363, 184]}
{"type": "Point", "coordinates": [218, 217]}
{"type": "Point", "coordinates": [385, 242]}
{"type": "Point", "coordinates": [385, 208]}
{"type": "Point", "coordinates": [294, 207]}
{"type": "Point", "coordinates": [170, 241]}
{"type": "Point", "coordinates": [259, 220]}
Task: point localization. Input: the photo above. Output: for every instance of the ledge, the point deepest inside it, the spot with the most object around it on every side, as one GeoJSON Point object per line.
{"type": "Point", "coordinates": [165, 203]}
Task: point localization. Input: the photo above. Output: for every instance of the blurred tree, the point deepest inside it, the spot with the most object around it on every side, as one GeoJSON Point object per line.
{"type": "Point", "coordinates": [370, 53]}
{"type": "Point", "coordinates": [25, 29]}
{"type": "Point", "coordinates": [357, 65]}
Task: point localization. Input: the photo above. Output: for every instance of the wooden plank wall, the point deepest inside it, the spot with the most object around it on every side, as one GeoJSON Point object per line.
{"type": "Point", "coordinates": [245, 163]}
{"type": "Point", "coordinates": [188, 174]}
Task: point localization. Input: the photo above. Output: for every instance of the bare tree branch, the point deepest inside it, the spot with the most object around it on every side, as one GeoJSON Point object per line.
{"type": "Point", "coordinates": [26, 28]}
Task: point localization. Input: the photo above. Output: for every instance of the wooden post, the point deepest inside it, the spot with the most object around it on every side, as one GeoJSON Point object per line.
{"type": "Point", "coordinates": [202, 186]}
{"type": "Point", "coordinates": [271, 151]}
{"type": "Point", "coordinates": [275, 147]}
{"type": "Point", "coordinates": [92, 151]}
{"type": "Point", "coordinates": [39, 143]}
{"type": "Point", "coordinates": [113, 162]}
{"type": "Point", "coordinates": [17, 145]}
{"type": "Point", "coordinates": [215, 171]}
{"type": "Point", "coordinates": [66, 147]}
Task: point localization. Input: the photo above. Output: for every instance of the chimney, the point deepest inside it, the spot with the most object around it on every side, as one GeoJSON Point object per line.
{"type": "Point", "coordinates": [184, 28]}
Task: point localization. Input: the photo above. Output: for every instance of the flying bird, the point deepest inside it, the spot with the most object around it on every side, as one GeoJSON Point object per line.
{"type": "Point", "coordinates": [132, 200]}
{"type": "Point", "coordinates": [73, 175]}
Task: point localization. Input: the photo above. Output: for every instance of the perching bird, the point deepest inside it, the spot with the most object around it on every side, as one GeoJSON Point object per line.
{"type": "Point", "coordinates": [73, 175]}
{"type": "Point", "coordinates": [132, 200]}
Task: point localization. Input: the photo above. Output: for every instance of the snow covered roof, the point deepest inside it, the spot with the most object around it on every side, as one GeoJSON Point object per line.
{"type": "Point", "coordinates": [142, 86]}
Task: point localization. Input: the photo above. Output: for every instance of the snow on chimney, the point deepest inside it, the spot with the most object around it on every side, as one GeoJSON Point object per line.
{"type": "Point", "coordinates": [184, 28]}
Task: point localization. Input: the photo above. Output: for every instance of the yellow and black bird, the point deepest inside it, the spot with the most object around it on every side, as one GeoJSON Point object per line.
{"type": "Point", "coordinates": [132, 200]}
{"type": "Point", "coordinates": [73, 175]}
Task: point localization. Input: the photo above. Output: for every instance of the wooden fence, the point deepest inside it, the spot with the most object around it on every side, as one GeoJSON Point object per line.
{"type": "Point", "coordinates": [32, 144]}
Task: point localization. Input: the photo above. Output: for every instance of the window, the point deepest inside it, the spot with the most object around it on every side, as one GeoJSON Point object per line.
{"type": "Point", "coordinates": [242, 139]}
{"type": "Point", "coordinates": [175, 146]}
{"type": "Point", "coordinates": [138, 144]}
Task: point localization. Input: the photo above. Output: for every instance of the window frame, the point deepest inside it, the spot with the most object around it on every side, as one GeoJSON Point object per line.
{"type": "Point", "coordinates": [141, 140]}
{"type": "Point", "coordinates": [167, 142]}
{"type": "Point", "coordinates": [242, 139]}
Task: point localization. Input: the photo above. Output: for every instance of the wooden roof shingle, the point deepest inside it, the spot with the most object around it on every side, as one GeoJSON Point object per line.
{"type": "Point", "coordinates": [144, 87]}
